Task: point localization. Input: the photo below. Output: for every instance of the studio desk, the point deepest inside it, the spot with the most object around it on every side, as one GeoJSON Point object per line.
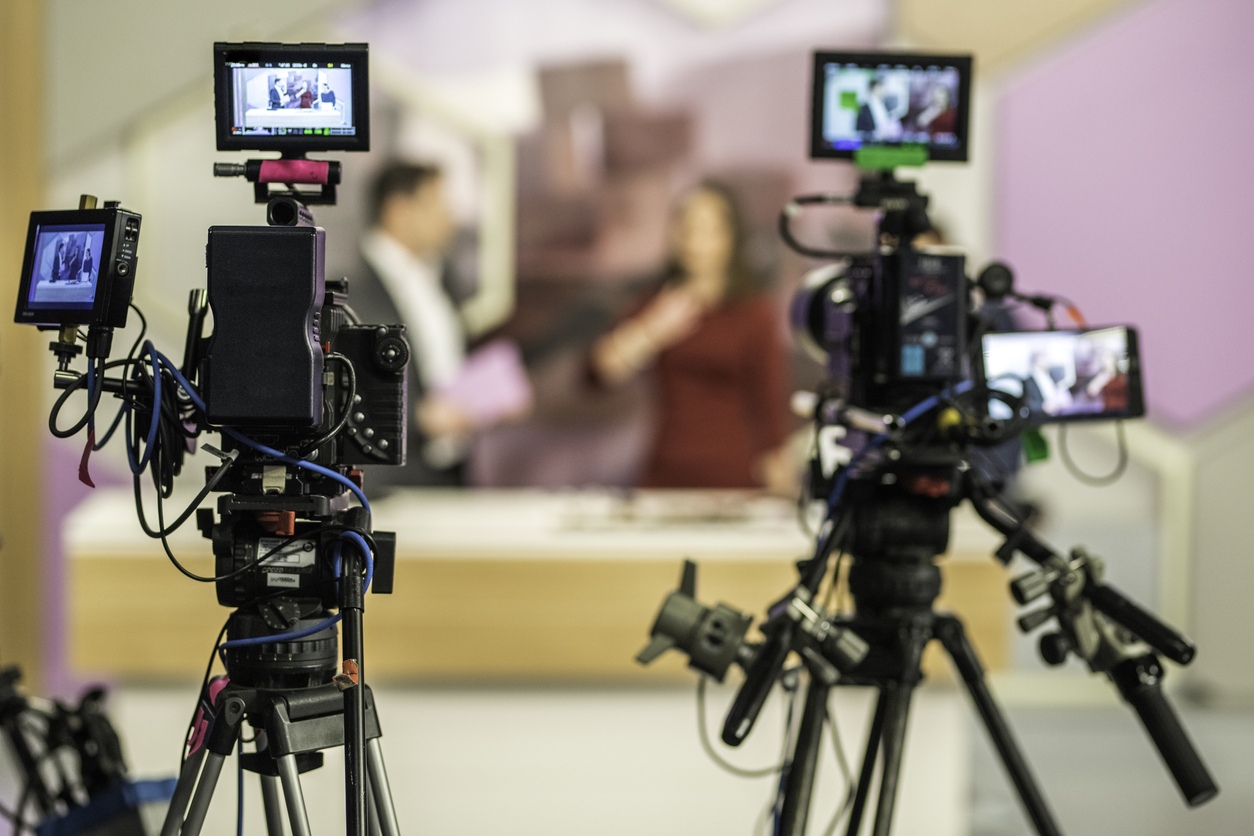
{"type": "Point", "coordinates": [495, 586]}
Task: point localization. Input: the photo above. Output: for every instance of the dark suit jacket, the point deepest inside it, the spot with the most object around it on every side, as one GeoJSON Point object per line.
{"type": "Point", "coordinates": [372, 303]}
{"type": "Point", "coordinates": [866, 120]}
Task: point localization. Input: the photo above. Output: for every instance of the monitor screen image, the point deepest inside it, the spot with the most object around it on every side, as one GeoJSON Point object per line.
{"type": "Point", "coordinates": [888, 100]}
{"type": "Point", "coordinates": [66, 266]}
{"type": "Point", "coordinates": [288, 98]}
{"type": "Point", "coordinates": [1066, 375]}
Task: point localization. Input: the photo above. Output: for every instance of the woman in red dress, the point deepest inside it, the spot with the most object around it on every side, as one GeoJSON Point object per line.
{"type": "Point", "coordinates": [717, 349]}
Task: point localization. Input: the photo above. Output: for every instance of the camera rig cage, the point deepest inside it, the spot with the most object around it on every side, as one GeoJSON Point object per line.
{"type": "Point", "coordinates": [906, 408]}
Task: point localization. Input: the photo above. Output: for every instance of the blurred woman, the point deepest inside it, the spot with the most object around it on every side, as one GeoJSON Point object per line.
{"type": "Point", "coordinates": [716, 346]}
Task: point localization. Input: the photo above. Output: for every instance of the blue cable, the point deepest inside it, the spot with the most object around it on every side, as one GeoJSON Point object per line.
{"type": "Point", "coordinates": [91, 381]}
{"type": "Point", "coordinates": [361, 543]}
{"type": "Point", "coordinates": [284, 637]}
{"type": "Point", "coordinates": [159, 358]}
{"type": "Point", "coordinates": [138, 467]}
{"type": "Point", "coordinates": [259, 447]}
{"type": "Point", "coordinates": [365, 550]}
{"type": "Point", "coordinates": [907, 417]}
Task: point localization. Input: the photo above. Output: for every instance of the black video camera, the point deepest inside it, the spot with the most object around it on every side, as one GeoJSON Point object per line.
{"type": "Point", "coordinates": [901, 324]}
{"type": "Point", "coordinates": [918, 376]}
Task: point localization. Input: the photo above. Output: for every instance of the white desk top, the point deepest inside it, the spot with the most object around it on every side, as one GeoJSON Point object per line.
{"type": "Point", "coordinates": [527, 524]}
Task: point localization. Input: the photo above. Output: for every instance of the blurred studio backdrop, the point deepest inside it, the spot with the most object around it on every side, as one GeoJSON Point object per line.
{"type": "Point", "coordinates": [1108, 165]}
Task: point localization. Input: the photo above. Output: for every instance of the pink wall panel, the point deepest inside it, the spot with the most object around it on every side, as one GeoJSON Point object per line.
{"type": "Point", "coordinates": [1125, 177]}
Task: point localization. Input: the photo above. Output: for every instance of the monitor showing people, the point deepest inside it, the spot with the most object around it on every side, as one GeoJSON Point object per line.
{"type": "Point", "coordinates": [912, 100]}
{"type": "Point", "coordinates": [295, 98]}
{"type": "Point", "coordinates": [1066, 375]}
{"type": "Point", "coordinates": [67, 265]}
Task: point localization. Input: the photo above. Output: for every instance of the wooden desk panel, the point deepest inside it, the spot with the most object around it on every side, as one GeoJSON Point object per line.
{"type": "Point", "coordinates": [493, 616]}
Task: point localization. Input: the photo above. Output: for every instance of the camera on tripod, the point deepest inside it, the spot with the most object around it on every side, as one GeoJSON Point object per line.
{"type": "Point", "coordinates": [303, 394]}
{"type": "Point", "coordinates": [917, 379]}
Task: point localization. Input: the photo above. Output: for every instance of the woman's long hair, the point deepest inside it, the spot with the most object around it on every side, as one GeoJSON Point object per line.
{"type": "Point", "coordinates": [742, 280]}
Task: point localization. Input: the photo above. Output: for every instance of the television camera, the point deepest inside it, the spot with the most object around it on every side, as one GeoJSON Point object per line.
{"type": "Point", "coordinates": [303, 395]}
{"type": "Point", "coordinates": [919, 388]}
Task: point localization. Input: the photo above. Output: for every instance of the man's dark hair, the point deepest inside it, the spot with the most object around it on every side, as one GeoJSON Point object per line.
{"type": "Point", "coordinates": [397, 179]}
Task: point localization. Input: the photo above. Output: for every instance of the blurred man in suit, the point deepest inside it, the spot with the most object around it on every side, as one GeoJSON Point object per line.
{"type": "Point", "coordinates": [400, 283]}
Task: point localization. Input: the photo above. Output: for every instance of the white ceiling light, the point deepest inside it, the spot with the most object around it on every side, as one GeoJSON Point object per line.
{"type": "Point", "coordinates": [715, 13]}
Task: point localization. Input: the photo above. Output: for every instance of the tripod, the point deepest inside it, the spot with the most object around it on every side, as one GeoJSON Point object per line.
{"type": "Point", "coordinates": [287, 688]}
{"type": "Point", "coordinates": [894, 530]}
{"type": "Point", "coordinates": [293, 727]}
{"type": "Point", "coordinates": [894, 583]}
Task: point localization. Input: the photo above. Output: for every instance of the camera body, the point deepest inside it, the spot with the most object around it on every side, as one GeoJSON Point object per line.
{"type": "Point", "coordinates": [277, 321]}
{"type": "Point", "coordinates": [890, 327]}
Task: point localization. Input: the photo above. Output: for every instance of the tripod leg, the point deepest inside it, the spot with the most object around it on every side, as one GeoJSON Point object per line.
{"type": "Point", "coordinates": [372, 812]}
{"type": "Point", "coordinates": [868, 764]}
{"type": "Point", "coordinates": [182, 793]}
{"type": "Point", "coordinates": [896, 713]}
{"type": "Point", "coordinates": [799, 785]}
{"type": "Point", "coordinates": [949, 630]}
{"type": "Point", "coordinates": [380, 789]}
{"type": "Point", "coordinates": [222, 736]}
{"type": "Point", "coordinates": [270, 800]}
{"type": "Point", "coordinates": [290, 777]}
{"type": "Point", "coordinates": [204, 794]}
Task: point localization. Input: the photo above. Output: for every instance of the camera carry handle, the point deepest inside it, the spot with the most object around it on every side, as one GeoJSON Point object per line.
{"type": "Point", "coordinates": [291, 169]}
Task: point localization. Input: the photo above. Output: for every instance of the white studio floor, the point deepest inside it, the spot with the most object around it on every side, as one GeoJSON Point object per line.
{"type": "Point", "coordinates": [602, 762]}
{"type": "Point", "coordinates": [477, 761]}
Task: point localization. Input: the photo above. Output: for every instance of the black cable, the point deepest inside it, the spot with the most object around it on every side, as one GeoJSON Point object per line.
{"type": "Point", "coordinates": [130, 356]}
{"type": "Point", "coordinates": [794, 207]}
{"type": "Point", "coordinates": [93, 402]}
{"type": "Point", "coordinates": [247, 567]}
{"type": "Point", "coordinates": [204, 683]}
{"type": "Point", "coordinates": [1087, 478]}
{"type": "Point", "coordinates": [165, 531]}
{"type": "Point", "coordinates": [348, 407]}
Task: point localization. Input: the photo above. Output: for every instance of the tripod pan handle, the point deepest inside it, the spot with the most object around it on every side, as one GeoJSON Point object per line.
{"type": "Point", "coordinates": [758, 681]}
{"type": "Point", "coordinates": [1153, 632]}
{"type": "Point", "coordinates": [1140, 682]}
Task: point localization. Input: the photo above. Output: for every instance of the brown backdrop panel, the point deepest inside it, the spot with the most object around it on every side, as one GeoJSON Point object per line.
{"type": "Point", "coordinates": [21, 361]}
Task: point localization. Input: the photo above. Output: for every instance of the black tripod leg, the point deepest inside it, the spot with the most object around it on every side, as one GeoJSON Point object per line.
{"type": "Point", "coordinates": [868, 765]}
{"type": "Point", "coordinates": [221, 742]}
{"type": "Point", "coordinates": [351, 605]}
{"type": "Point", "coordinates": [949, 630]}
{"type": "Point", "coordinates": [799, 786]}
{"type": "Point", "coordinates": [896, 713]}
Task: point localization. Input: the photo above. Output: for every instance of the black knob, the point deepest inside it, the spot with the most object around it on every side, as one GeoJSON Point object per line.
{"type": "Point", "coordinates": [997, 281]}
{"type": "Point", "coordinates": [391, 353]}
{"type": "Point", "coordinates": [1027, 588]}
{"type": "Point", "coordinates": [1054, 648]}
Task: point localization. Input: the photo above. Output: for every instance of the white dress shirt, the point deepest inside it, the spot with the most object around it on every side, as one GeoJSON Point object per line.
{"type": "Point", "coordinates": [431, 324]}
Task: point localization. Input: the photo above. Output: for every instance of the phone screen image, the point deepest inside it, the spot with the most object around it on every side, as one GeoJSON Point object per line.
{"type": "Point", "coordinates": [1066, 375]}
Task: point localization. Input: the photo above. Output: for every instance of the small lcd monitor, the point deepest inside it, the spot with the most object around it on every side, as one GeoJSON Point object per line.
{"type": "Point", "coordinates": [883, 99]}
{"type": "Point", "coordinates": [293, 98]}
{"type": "Point", "coordinates": [78, 267]}
{"type": "Point", "coordinates": [1093, 374]}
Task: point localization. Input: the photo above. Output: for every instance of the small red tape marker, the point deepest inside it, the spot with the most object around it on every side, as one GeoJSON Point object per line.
{"type": "Point", "coordinates": [83, 475]}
